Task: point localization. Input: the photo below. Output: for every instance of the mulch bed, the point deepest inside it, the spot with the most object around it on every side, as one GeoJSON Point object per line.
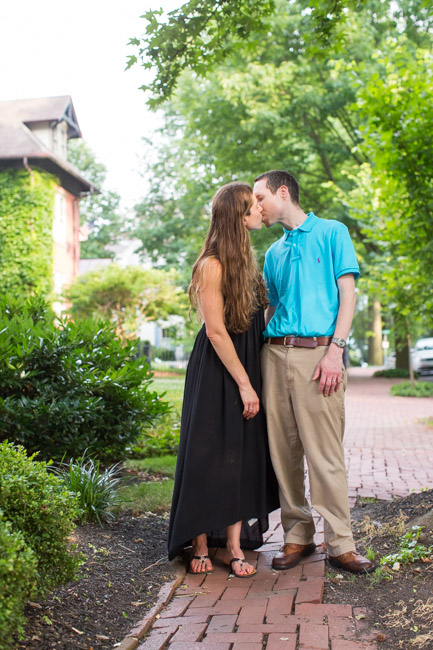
{"type": "Point", "coordinates": [115, 591]}
{"type": "Point", "coordinates": [398, 602]}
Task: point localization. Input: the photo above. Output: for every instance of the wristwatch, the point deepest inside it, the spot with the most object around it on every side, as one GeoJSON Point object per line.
{"type": "Point", "coordinates": [340, 342]}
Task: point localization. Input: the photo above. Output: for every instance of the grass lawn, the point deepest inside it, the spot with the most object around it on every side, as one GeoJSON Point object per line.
{"type": "Point", "coordinates": [147, 497]}
{"type": "Point", "coordinates": [173, 389]}
{"type": "Point", "coordinates": [156, 455]}
{"type": "Point", "coordinates": [165, 465]}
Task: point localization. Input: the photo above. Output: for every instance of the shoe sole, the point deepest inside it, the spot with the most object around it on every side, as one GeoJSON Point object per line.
{"type": "Point", "coordinates": [290, 566]}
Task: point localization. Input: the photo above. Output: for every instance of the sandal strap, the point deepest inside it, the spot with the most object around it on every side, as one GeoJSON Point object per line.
{"type": "Point", "coordinates": [202, 558]}
{"type": "Point", "coordinates": [241, 561]}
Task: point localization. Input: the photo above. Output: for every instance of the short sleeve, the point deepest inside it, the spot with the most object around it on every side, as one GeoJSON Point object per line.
{"type": "Point", "coordinates": [343, 252]}
{"type": "Point", "coordinates": [269, 281]}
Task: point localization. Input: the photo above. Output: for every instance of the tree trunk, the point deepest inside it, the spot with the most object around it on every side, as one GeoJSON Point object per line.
{"type": "Point", "coordinates": [401, 344]}
{"type": "Point", "coordinates": [375, 351]}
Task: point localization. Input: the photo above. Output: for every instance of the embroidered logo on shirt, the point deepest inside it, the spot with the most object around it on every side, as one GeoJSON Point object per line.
{"type": "Point", "coordinates": [318, 260]}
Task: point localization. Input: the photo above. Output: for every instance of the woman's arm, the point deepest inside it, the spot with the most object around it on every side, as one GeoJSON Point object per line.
{"type": "Point", "coordinates": [212, 308]}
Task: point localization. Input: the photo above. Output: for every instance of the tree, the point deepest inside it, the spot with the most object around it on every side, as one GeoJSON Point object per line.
{"type": "Point", "coordinates": [126, 296]}
{"type": "Point", "coordinates": [393, 195]}
{"type": "Point", "coordinates": [203, 33]}
{"type": "Point", "coordinates": [284, 104]}
{"type": "Point", "coordinates": [200, 33]}
{"type": "Point", "coordinates": [271, 108]}
{"type": "Point", "coordinates": [101, 212]}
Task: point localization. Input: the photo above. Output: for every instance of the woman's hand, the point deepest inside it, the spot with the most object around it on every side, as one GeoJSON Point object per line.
{"type": "Point", "coordinates": [251, 402]}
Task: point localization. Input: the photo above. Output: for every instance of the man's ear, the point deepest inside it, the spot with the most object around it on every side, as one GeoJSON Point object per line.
{"type": "Point", "coordinates": [284, 191]}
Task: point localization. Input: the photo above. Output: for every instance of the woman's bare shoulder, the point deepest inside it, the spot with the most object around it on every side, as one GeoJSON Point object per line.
{"type": "Point", "coordinates": [209, 269]}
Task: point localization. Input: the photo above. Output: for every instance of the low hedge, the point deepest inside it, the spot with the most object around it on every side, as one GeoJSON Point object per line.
{"type": "Point", "coordinates": [41, 509]}
{"type": "Point", "coordinates": [391, 373]}
{"type": "Point", "coordinates": [18, 565]}
{"type": "Point", "coordinates": [418, 389]}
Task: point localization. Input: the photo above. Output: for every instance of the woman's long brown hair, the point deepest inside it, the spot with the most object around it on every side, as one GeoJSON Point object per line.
{"type": "Point", "coordinates": [228, 241]}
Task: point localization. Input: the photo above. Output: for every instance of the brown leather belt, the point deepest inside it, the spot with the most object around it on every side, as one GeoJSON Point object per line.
{"type": "Point", "coordinates": [300, 341]}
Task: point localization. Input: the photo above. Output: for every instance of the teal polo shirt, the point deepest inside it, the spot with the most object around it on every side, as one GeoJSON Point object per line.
{"type": "Point", "coordinates": [301, 271]}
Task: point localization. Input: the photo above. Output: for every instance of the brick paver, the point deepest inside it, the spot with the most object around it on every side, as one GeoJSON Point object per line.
{"type": "Point", "coordinates": [389, 452]}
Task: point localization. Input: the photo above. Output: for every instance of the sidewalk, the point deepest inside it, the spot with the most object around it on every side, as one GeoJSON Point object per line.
{"type": "Point", "coordinates": [389, 451]}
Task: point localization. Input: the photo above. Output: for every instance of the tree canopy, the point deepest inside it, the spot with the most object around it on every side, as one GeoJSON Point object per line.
{"type": "Point", "coordinates": [127, 296]}
{"type": "Point", "coordinates": [100, 212]}
{"type": "Point", "coordinates": [337, 93]}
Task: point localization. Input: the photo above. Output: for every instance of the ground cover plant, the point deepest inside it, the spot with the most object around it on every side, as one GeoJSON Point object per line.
{"type": "Point", "coordinates": [399, 594]}
{"type": "Point", "coordinates": [95, 488]}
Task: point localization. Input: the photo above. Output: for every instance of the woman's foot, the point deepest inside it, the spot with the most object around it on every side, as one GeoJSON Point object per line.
{"type": "Point", "coordinates": [238, 564]}
{"type": "Point", "coordinates": [199, 561]}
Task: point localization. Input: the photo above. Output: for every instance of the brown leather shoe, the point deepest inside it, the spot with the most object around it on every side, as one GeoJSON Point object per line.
{"type": "Point", "coordinates": [352, 562]}
{"type": "Point", "coordinates": [291, 554]}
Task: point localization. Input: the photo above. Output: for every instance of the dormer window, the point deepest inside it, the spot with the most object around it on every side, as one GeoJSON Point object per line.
{"type": "Point", "coordinates": [60, 139]}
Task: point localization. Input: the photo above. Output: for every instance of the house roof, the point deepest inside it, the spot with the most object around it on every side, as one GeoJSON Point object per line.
{"type": "Point", "coordinates": [42, 109]}
{"type": "Point", "coordinates": [18, 144]}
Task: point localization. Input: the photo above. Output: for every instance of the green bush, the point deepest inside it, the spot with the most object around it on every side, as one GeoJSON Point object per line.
{"type": "Point", "coordinates": [66, 387]}
{"type": "Point", "coordinates": [159, 441]}
{"type": "Point", "coordinates": [96, 489]}
{"type": "Point", "coordinates": [17, 580]}
{"type": "Point", "coordinates": [393, 372]}
{"type": "Point", "coordinates": [39, 506]}
{"type": "Point", "coordinates": [419, 389]}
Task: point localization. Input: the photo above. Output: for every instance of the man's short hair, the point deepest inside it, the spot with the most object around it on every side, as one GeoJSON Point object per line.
{"type": "Point", "coordinates": [278, 177]}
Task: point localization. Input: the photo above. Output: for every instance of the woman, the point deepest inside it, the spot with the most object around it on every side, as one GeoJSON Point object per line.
{"type": "Point", "coordinates": [225, 485]}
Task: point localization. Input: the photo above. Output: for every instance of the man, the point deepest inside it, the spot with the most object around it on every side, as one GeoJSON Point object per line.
{"type": "Point", "coordinates": [310, 274]}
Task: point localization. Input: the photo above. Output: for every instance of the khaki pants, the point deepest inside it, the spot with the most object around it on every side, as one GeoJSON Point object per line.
{"type": "Point", "coordinates": [301, 421]}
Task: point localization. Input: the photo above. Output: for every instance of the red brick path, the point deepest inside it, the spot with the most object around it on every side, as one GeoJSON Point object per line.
{"type": "Point", "coordinates": [389, 451]}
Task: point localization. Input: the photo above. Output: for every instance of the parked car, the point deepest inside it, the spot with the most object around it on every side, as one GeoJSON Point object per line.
{"type": "Point", "coordinates": [422, 356]}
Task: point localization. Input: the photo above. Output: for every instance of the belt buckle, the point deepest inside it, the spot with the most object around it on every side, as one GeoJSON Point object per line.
{"type": "Point", "coordinates": [287, 345]}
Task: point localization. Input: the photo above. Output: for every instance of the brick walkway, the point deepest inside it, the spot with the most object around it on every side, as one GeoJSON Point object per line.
{"type": "Point", "coordinates": [389, 451]}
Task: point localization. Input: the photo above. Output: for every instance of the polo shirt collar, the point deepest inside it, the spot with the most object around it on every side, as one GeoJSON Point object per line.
{"type": "Point", "coordinates": [307, 226]}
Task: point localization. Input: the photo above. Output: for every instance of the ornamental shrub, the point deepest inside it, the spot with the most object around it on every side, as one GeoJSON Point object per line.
{"type": "Point", "coordinates": [39, 506]}
{"type": "Point", "coordinates": [97, 490]}
{"type": "Point", "coordinates": [17, 580]}
{"type": "Point", "coordinates": [66, 387]}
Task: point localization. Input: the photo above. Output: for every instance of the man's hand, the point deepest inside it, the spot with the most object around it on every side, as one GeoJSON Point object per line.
{"type": "Point", "coordinates": [329, 369]}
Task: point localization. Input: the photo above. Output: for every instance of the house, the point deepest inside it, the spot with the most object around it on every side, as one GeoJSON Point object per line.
{"type": "Point", "coordinates": [34, 134]}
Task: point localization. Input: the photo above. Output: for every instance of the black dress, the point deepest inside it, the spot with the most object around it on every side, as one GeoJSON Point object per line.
{"type": "Point", "coordinates": [224, 472]}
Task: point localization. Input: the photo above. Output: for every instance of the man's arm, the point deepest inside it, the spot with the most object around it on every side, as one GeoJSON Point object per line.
{"type": "Point", "coordinates": [329, 368]}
